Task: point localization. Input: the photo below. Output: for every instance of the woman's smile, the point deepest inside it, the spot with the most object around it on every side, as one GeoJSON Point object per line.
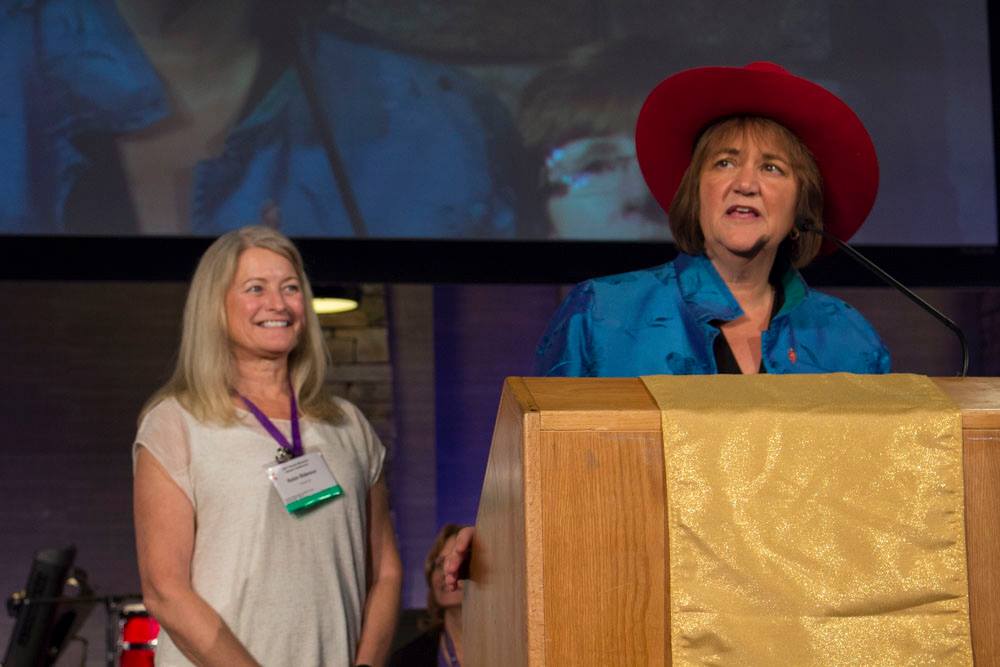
{"type": "Point", "coordinates": [264, 305]}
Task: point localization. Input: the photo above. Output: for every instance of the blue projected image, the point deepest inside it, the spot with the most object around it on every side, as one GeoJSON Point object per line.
{"type": "Point", "coordinates": [345, 120]}
{"type": "Point", "coordinates": [126, 128]}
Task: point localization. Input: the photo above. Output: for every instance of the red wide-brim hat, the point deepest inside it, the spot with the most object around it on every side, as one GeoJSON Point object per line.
{"type": "Point", "coordinates": [682, 106]}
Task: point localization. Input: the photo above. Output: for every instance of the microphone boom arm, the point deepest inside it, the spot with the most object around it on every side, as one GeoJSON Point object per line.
{"type": "Point", "coordinates": [807, 226]}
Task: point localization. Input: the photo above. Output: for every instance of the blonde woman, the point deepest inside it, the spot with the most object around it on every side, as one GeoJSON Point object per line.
{"type": "Point", "coordinates": [241, 563]}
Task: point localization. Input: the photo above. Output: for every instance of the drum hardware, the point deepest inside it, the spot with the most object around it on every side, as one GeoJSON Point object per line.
{"type": "Point", "coordinates": [131, 633]}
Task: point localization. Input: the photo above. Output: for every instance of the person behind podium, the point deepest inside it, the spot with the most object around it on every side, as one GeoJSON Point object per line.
{"type": "Point", "coordinates": [740, 157]}
{"type": "Point", "coordinates": [441, 641]}
{"type": "Point", "coordinates": [238, 572]}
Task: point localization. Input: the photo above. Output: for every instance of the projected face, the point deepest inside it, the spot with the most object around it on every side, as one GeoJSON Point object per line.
{"type": "Point", "coordinates": [597, 192]}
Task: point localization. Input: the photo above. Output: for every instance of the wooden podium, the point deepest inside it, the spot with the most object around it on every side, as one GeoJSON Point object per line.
{"type": "Point", "coordinates": [570, 558]}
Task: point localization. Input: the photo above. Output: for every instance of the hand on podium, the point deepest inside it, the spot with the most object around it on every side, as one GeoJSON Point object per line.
{"type": "Point", "coordinates": [456, 563]}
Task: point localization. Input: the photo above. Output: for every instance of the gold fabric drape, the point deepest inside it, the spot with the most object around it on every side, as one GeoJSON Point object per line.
{"type": "Point", "coordinates": [814, 520]}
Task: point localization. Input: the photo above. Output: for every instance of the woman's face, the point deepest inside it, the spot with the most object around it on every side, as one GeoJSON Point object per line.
{"type": "Point", "coordinates": [747, 196]}
{"type": "Point", "coordinates": [265, 308]}
{"type": "Point", "coordinates": [599, 192]}
{"type": "Point", "coordinates": [444, 598]}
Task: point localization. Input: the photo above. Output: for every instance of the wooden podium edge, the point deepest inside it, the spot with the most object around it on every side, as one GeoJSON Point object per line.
{"type": "Point", "coordinates": [561, 404]}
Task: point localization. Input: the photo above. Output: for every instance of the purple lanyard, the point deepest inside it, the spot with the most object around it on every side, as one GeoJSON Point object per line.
{"type": "Point", "coordinates": [295, 447]}
{"type": "Point", "coordinates": [447, 656]}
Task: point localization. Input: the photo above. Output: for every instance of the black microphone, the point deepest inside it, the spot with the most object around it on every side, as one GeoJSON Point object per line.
{"type": "Point", "coordinates": [808, 226]}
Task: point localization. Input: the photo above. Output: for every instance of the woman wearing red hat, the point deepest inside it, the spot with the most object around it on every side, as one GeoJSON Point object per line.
{"type": "Point", "coordinates": [740, 158]}
{"type": "Point", "coordinates": [743, 159]}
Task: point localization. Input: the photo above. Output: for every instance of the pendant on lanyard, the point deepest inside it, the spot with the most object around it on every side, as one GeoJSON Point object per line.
{"type": "Point", "coordinates": [286, 450]}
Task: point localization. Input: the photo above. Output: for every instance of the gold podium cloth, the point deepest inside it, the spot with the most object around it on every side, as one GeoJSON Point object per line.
{"type": "Point", "coordinates": [814, 520]}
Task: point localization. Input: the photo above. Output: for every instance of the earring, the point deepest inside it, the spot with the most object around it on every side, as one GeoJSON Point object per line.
{"type": "Point", "coordinates": [794, 234]}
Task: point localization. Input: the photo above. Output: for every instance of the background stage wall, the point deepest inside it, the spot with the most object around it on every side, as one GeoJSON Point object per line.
{"type": "Point", "coordinates": [80, 358]}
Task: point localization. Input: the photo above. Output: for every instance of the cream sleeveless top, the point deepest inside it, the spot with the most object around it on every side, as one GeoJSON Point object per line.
{"type": "Point", "coordinates": [291, 588]}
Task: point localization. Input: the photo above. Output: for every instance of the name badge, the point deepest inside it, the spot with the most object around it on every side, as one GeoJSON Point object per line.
{"type": "Point", "coordinates": [304, 482]}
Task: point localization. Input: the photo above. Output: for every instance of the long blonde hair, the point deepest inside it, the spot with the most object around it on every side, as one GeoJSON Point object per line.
{"type": "Point", "coordinates": [204, 376]}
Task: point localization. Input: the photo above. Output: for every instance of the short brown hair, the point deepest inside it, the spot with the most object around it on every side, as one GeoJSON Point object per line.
{"type": "Point", "coordinates": [685, 220]}
{"type": "Point", "coordinates": [596, 91]}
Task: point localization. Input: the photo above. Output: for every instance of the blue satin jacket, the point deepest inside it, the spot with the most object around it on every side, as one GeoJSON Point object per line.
{"type": "Point", "coordinates": [429, 152]}
{"type": "Point", "coordinates": [659, 321]}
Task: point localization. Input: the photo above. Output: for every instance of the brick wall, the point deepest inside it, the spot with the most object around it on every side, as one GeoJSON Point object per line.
{"type": "Point", "coordinates": [362, 371]}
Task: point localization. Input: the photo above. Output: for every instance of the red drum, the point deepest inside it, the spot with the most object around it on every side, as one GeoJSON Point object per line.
{"type": "Point", "coordinates": [137, 632]}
